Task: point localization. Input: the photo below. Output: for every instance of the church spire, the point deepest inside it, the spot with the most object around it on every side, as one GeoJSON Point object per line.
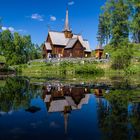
{"type": "Point", "coordinates": [67, 28]}
{"type": "Point", "coordinates": [68, 33]}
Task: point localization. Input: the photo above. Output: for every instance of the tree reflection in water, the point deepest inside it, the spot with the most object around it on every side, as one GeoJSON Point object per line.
{"type": "Point", "coordinates": [119, 115]}
{"type": "Point", "coordinates": [17, 93]}
{"type": "Point", "coordinates": [14, 94]}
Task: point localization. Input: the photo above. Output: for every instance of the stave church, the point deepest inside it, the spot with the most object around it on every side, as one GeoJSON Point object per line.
{"type": "Point", "coordinates": [66, 43]}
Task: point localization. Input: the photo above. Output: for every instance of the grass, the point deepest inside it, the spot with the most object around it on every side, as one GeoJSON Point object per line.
{"type": "Point", "coordinates": [62, 68]}
{"type": "Point", "coordinates": [2, 59]}
{"type": "Point", "coordinates": [2, 83]}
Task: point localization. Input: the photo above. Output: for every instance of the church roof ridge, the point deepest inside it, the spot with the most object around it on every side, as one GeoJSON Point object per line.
{"type": "Point", "coordinates": [55, 31]}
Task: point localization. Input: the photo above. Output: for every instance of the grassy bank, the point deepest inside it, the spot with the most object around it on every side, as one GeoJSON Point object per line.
{"type": "Point", "coordinates": [62, 68]}
{"type": "Point", "coordinates": [123, 59]}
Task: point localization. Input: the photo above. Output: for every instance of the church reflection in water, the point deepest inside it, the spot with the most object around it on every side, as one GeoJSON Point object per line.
{"type": "Point", "coordinates": [65, 99]}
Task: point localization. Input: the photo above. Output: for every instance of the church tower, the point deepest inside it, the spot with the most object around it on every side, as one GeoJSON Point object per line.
{"type": "Point", "coordinates": [67, 31]}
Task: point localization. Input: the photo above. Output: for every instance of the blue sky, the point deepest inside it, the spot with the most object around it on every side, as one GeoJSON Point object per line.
{"type": "Point", "coordinates": [33, 17]}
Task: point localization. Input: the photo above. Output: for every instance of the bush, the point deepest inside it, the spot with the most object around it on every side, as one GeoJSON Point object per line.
{"type": "Point", "coordinates": [88, 69]}
{"type": "Point", "coordinates": [6, 68]}
{"type": "Point", "coordinates": [122, 59]}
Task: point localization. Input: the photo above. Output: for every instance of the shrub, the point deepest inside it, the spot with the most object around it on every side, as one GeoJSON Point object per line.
{"type": "Point", "coordinates": [122, 59]}
{"type": "Point", "coordinates": [88, 69]}
{"type": "Point", "coordinates": [6, 68]}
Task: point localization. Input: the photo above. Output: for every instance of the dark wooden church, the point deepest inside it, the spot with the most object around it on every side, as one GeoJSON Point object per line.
{"type": "Point", "coordinates": [65, 43]}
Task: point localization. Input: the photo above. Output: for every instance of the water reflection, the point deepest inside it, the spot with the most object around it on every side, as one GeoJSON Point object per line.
{"type": "Point", "coordinates": [65, 99]}
{"type": "Point", "coordinates": [118, 115]}
{"type": "Point", "coordinates": [64, 111]}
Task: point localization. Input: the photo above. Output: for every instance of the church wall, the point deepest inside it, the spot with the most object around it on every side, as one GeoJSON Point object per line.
{"type": "Point", "coordinates": [67, 52]}
{"type": "Point", "coordinates": [58, 50]}
{"type": "Point", "coordinates": [78, 50]}
{"type": "Point", "coordinates": [45, 51]}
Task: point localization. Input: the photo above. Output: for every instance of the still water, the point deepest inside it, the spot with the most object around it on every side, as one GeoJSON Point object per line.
{"type": "Point", "coordinates": [55, 110]}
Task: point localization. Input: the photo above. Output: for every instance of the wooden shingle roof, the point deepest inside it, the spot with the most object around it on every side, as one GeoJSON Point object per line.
{"type": "Point", "coordinates": [58, 38]}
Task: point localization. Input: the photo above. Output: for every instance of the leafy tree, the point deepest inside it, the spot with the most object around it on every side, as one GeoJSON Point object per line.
{"type": "Point", "coordinates": [135, 20]}
{"type": "Point", "coordinates": [17, 49]}
{"type": "Point", "coordinates": [7, 45]}
{"type": "Point", "coordinates": [101, 31]}
{"type": "Point", "coordinates": [105, 23]}
{"type": "Point", "coordinates": [115, 22]}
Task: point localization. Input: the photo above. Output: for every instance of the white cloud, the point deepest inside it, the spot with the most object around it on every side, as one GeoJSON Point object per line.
{"type": "Point", "coordinates": [52, 18]}
{"type": "Point", "coordinates": [11, 29]}
{"type": "Point", "coordinates": [21, 31]}
{"type": "Point", "coordinates": [37, 17]}
{"type": "Point", "coordinates": [4, 28]}
{"type": "Point", "coordinates": [71, 3]}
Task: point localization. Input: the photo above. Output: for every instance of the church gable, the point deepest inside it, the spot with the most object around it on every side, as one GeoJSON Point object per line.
{"type": "Point", "coordinates": [74, 49]}
{"type": "Point", "coordinates": [78, 49]}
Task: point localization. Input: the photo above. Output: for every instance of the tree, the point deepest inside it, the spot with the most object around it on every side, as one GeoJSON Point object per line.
{"type": "Point", "coordinates": [115, 23]}
{"type": "Point", "coordinates": [135, 20]}
{"type": "Point", "coordinates": [16, 48]}
{"type": "Point", "coordinates": [101, 31]}
{"type": "Point", "coordinates": [105, 23]}
{"type": "Point", "coordinates": [7, 45]}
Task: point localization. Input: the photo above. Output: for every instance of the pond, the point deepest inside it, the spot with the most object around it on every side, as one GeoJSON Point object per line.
{"type": "Point", "coordinates": [66, 111]}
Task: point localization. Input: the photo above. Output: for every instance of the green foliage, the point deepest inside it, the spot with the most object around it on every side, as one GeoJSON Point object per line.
{"type": "Point", "coordinates": [64, 68]}
{"type": "Point", "coordinates": [15, 94]}
{"type": "Point", "coordinates": [122, 58]}
{"type": "Point", "coordinates": [17, 49]}
{"type": "Point", "coordinates": [88, 69]}
{"type": "Point", "coordinates": [101, 30]}
{"type": "Point", "coordinates": [7, 69]}
{"type": "Point", "coordinates": [121, 110]}
{"type": "Point", "coordinates": [2, 59]}
{"type": "Point", "coordinates": [38, 63]}
{"type": "Point", "coordinates": [135, 20]}
{"type": "Point", "coordinates": [118, 20]}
